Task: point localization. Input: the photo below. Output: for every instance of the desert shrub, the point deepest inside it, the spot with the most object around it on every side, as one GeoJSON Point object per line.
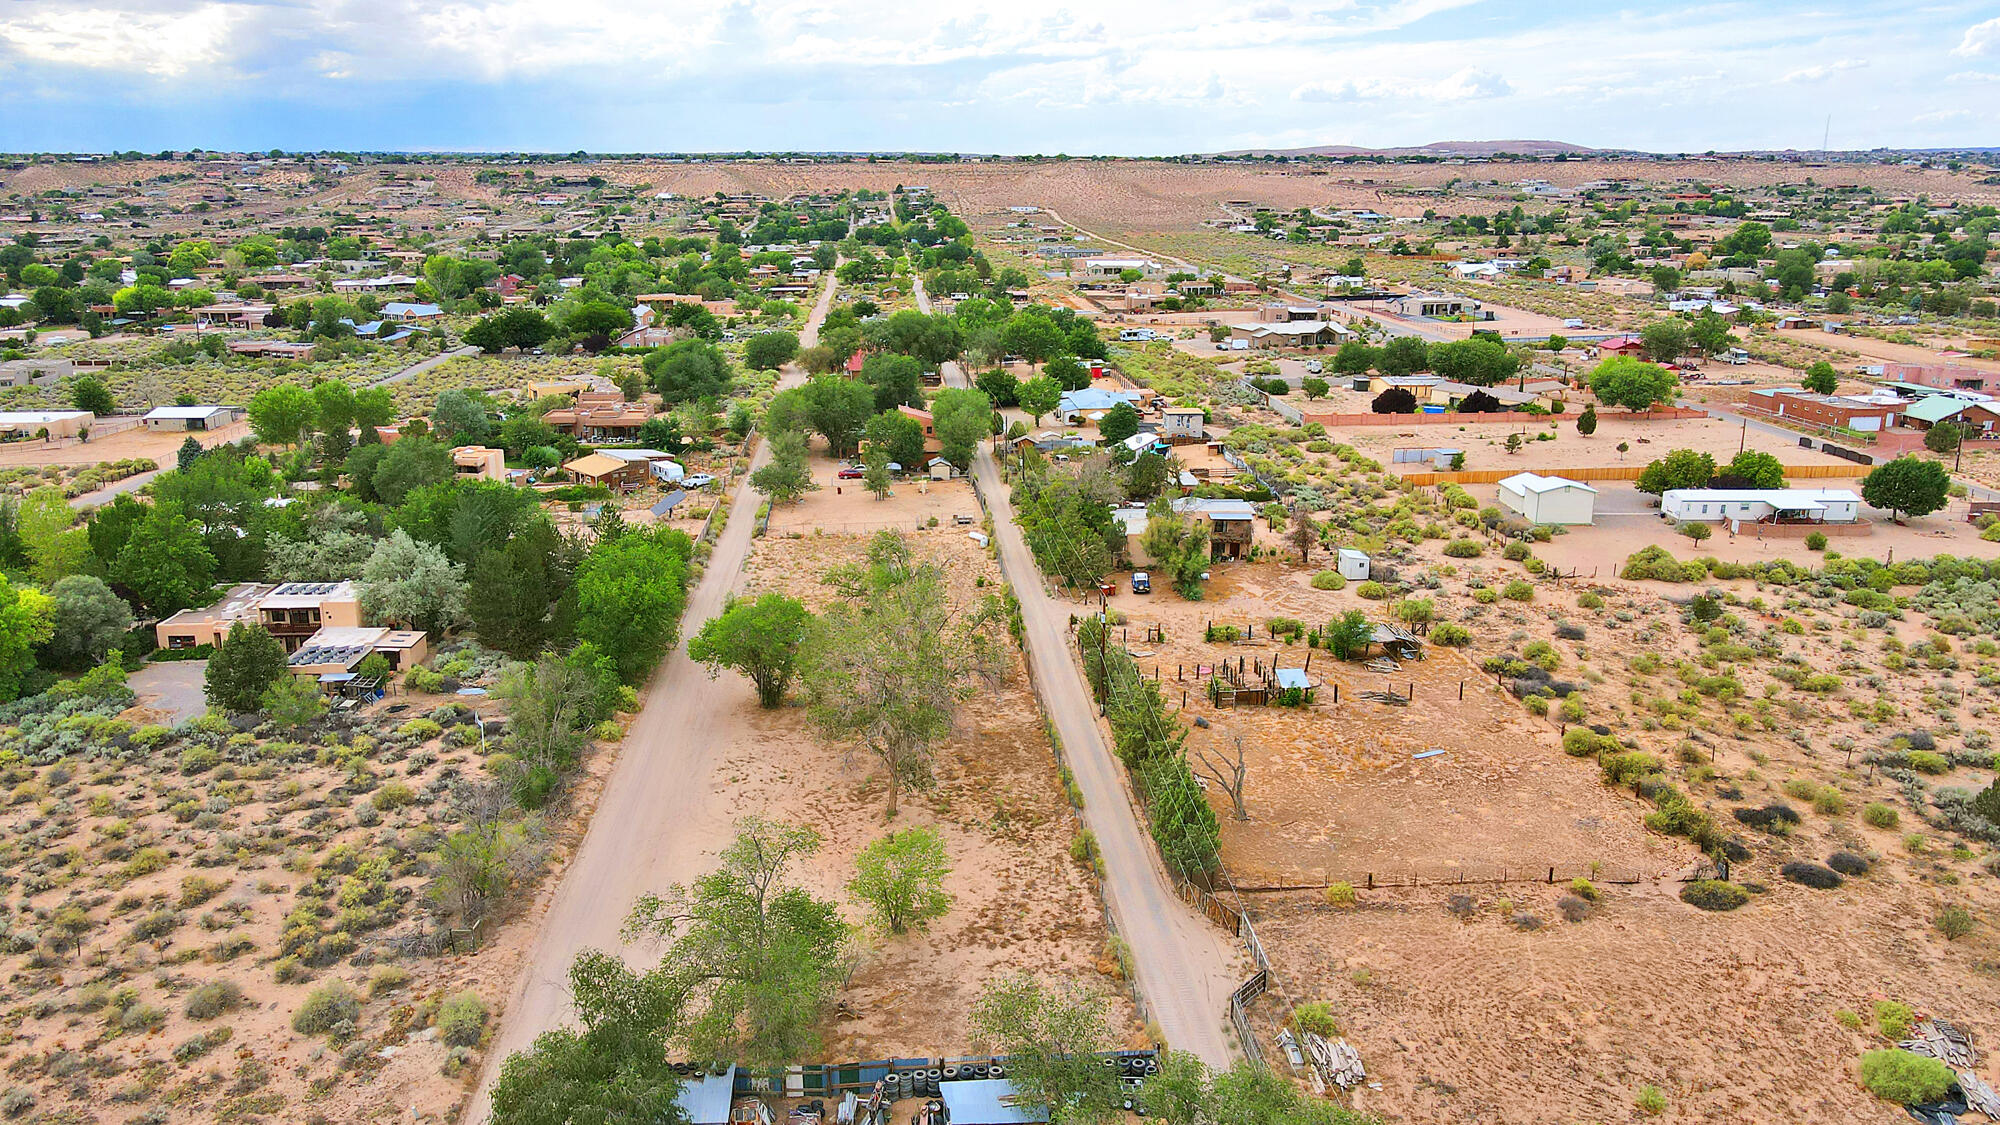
{"type": "Point", "coordinates": [1463, 548]}
{"type": "Point", "coordinates": [213, 999]}
{"type": "Point", "coordinates": [1848, 863]}
{"type": "Point", "coordinates": [1879, 815]}
{"type": "Point", "coordinates": [461, 1020]}
{"type": "Point", "coordinates": [1954, 922]}
{"type": "Point", "coordinates": [1515, 551]}
{"type": "Point", "coordinates": [1903, 1078]}
{"type": "Point", "coordinates": [387, 978]}
{"type": "Point", "coordinates": [1829, 801]}
{"type": "Point", "coordinates": [1811, 875]}
{"type": "Point", "coordinates": [1893, 1018]}
{"type": "Point", "coordinates": [1462, 907]}
{"type": "Point", "coordinates": [1569, 632]}
{"type": "Point", "coordinates": [1450, 635]}
{"type": "Point", "coordinates": [1627, 767]}
{"type": "Point", "coordinates": [1372, 590]}
{"type": "Point", "coordinates": [1776, 819]}
{"type": "Point", "coordinates": [1340, 894]}
{"type": "Point", "coordinates": [1518, 591]}
{"type": "Point", "coordinates": [1650, 1101]}
{"type": "Point", "coordinates": [326, 1008]}
{"type": "Point", "coordinates": [393, 795]}
{"type": "Point", "coordinates": [1315, 1016]}
{"type": "Point", "coordinates": [197, 889]}
{"type": "Point", "coordinates": [1329, 580]}
{"type": "Point", "coordinates": [1573, 909]}
{"type": "Point", "coordinates": [1584, 889]}
{"type": "Point", "coordinates": [420, 729]}
{"type": "Point", "coordinates": [1816, 541]}
{"type": "Point", "coordinates": [1923, 761]}
{"type": "Point", "coordinates": [1714, 894]}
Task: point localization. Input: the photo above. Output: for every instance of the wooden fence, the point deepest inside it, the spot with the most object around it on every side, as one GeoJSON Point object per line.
{"type": "Point", "coordinates": [1504, 416]}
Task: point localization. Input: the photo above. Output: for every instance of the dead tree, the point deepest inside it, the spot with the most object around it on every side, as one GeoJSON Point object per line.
{"type": "Point", "coordinates": [1230, 776]}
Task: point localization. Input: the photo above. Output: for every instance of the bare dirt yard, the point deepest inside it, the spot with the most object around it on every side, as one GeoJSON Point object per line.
{"type": "Point", "coordinates": [1484, 442]}
{"type": "Point", "coordinates": [1021, 903]}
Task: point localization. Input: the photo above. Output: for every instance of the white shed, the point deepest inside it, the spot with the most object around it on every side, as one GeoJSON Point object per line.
{"type": "Point", "coordinates": [1540, 499]}
{"type": "Point", "coordinates": [1738, 506]}
{"type": "Point", "coordinates": [1352, 564]}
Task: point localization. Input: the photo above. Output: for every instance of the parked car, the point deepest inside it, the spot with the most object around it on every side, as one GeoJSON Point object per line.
{"type": "Point", "coordinates": [1314, 366]}
{"type": "Point", "coordinates": [697, 480]}
{"type": "Point", "coordinates": [850, 472]}
{"type": "Point", "coordinates": [1142, 583]}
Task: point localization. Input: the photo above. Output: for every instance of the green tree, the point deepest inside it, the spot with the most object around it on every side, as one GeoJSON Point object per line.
{"type": "Point", "coordinates": [246, 663]}
{"type": "Point", "coordinates": [875, 471]}
{"type": "Point", "coordinates": [1682, 468]}
{"type": "Point", "coordinates": [1695, 530]}
{"type": "Point", "coordinates": [1118, 423]}
{"type": "Point", "coordinates": [1480, 361]}
{"type": "Point", "coordinates": [184, 457]}
{"type": "Point", "coordinates": [787, 477]}
{"type": "Point", "coordinates": [1907, 486]}
{"type": "Point", "coordinates": [900, 877]}
{"type": "Point", "coordinates": [1821, 378]}
{"type": "Point", "coordinates": [1665, 340]}
{"type": "Point", "coordinates": [88, 621]}
{"type": "Point", "coordinates": [1586, 422]}
{"type": "Point", "coordinates": [1756, 469]}
{"type": "Point", "coordinates": [887, 665]}
{"type": "Point", "coordinates": [1943, 437]}
{"type": "Point", "coordinates": [899, 436]}
{"type": "Point", "coordinates": [90, 393]}
{"type": "Point", "coordinates": [552, 704]}
{"type": "Point", "coordinates": [295, 703]}
{"type": "Point", "coordinates": [374, 408]}
{"type": "Point", "coordinates": [1001, 386]}
{"type": "Point", "coordinates": [165, 562]}
{"type": "Point", "coordinates": [1039, 396]}
{"type": "Point", "coordinates": [1314, 386]}
{"type": "Point", "coordinates": [1354, 358]}
{"type": "Point", "coordinates": [412, 583]}
{"type": "Point", "coordinates": [759, 960]}
{"type": "Point", "coordinates": [1349, 635]}
{"type": "Point", "coordinates": [281, 414]}
{"type": "Point", "coordinates": [1403, 355]}
{"type": "Point", "coordinates": [47, 527]}
{"type": "Point", "coordinates": [515, 591]}
{"type": "Point", "coordinates": [768, 351]}
{"type": "Point", "coordinates": [1066, 373]}
{"type": "Point", "coordinates": [1632, 383]}
{"type": "Point", "coordinates": [1178, 547]}
{"type": "Point", "coordinates": [760, 638]}
{"type": "Point", "coordinates": [961, 419]}
{"type": "Point", "coordinates": [686, 370]}
{"type": "Point", "coordinates": [408, 465]}
{"type": "Point", "coordinates": [629, 595]}
{"type": "Point", "coordinates": [839, 410]}
{"type": "Point", "coordinates": [611, 1071]}
{"type": "Point", "coordinates": [459, 417]}
{"type": "Point", "coordinates": [26, 620]}
{"type": "Point", "coordinates": [1051, 1035]}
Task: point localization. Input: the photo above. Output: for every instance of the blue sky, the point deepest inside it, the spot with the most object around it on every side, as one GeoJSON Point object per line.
{"type": "Point", "coordinates": [1019, 76]}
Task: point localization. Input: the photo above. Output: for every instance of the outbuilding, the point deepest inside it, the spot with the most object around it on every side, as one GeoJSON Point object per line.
{"type": "Point", "coordinates": [1352, 564]}
{"type": "Point", "coordinates": [1556, 500]}
{"type": "Point", "coordinates": [1738, 506]}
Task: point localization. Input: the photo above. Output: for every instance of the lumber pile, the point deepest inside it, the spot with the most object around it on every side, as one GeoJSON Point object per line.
{"type": "Point", "coordinates": [1979, 1097]}
{"type": "Point", "coordinates": [1939, 1040]}
{"type": "Point", "coordinates": [1336, 1062]}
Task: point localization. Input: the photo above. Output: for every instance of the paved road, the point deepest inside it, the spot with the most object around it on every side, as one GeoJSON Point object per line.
{"type": "Point", "coordinates": [639, 838]}
{"type": "Point", "coordinates": [424, 365]}
{"type": "Point", "coordinates": [1184, 964]}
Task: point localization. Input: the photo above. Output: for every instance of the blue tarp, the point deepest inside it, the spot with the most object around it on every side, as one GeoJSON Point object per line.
{"type": "Point", "coordinates": [977, 1102]}
{"type": "Point", "coordinates": [705, 1100]}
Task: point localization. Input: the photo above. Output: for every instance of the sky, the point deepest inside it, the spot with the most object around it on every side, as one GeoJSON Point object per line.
{"type": "Point", "coordinates": [1113, 77]}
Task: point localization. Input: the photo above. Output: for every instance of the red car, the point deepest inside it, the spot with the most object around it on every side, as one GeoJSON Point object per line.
{"type": "Point", "coordinates": [849, 472]}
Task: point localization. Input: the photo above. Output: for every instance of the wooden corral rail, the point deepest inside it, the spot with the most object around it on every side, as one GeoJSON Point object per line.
{"type": "Point", "coordinates": [1605, 472]}
{"type": "Point", "coordinates": [1550, 875]}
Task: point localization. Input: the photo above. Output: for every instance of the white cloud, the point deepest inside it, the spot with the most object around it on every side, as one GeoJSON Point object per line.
{"type": "Point", "coordinates": [1470, 84]}
{"type": "Point", "coordinates": [1980, 39]}
{"type": "Point", "coordinates": [1822, 70]}
{"type": "Point", "coordinates": [166, 45]}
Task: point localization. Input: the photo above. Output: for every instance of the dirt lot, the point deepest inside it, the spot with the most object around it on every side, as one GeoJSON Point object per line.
{"type": "Point", "coordinates": [132, 443]}
{"type": "Point", "coordinates": [1022, 903]}
{"type": "Point", "coordinates": [1483, 442]}
{"type": "Point", "coordinates": [1334, 793]}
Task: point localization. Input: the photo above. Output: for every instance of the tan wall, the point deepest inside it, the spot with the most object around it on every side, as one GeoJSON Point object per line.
{"type": "Point", "coordinates": [1612, 472]}
{"type": "Point", "coordinates": [340, 614]}
{"type": "Point", "coordinates": [203, 632]}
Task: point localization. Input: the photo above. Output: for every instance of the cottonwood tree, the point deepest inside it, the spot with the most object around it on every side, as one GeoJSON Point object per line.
{"type": "Point", "coordinates": [1051, 1035]}
{"type": "Point", "coordinates": [629, 594]}
{"type": "Point", "coordinates": [26, 620]}
{"type": "Point", "coordinates": [551, 706]}
{"type": "Point", "coordinates": [87, 620]}
{"type": "Point", "coordinates": [1039, 396]}
{"type": "Point", "coordinates": [757, 960]}
{"type": "Point", "coordinates": [1908, 485]}
{"type": "Point", "coordinates": [1177, 545]}
{"type": "Point", "coordinates": [612, 1069]}
{"type": "Point", "coordinates": [901, 878]}
{"type": "Point", "coordinates": [248, 661]}
{"type": "Point", "coordinates": [412, 583]}
{"type": "Point", "coordinates": [888, 664]}
{"type": "Point", "coordinates": [786, 478]}
{"type": "Point", "coordinates": [760, 638]}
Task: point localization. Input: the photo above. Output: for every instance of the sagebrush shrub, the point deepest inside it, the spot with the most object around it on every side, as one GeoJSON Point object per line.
{"type": "Point", "coordinates": [1714, 894]}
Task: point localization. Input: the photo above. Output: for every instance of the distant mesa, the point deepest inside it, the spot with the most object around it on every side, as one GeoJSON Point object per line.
{"type": "Point", "coordinates": [1439, 148]}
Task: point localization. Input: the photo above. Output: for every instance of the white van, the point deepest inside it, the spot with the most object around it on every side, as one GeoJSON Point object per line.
{"type": "Point", "coordinates": [1135, 335]}
{"type": "Point", "coordinates": [1239, 345]}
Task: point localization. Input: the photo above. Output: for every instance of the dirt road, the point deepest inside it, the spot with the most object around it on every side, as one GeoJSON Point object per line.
{"type": "Point", "coordinates": [424, 365]}
{"type": "Point", "coordinates": [1185, 966]}
{"type": "Point", "coordinates": [638, 839]}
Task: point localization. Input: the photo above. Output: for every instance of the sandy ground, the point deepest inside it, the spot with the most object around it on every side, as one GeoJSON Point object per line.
{"type": "Point", "coordinates": [1483, 442]}
{"type": "Point", "coordinates": [1333, 791]}
{"type": "Point", "coordinates": [1877, 351]}
{"type": "Point", "coordinates": [137, 441]}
